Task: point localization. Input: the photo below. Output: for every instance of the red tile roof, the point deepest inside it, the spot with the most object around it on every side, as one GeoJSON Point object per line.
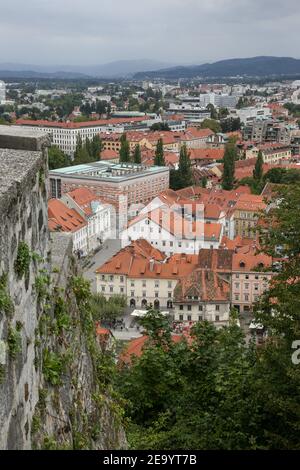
{"type": "Point", "coordinates": [78, 125]}
{"type": "Point", "coordinates": [206, 154]}
{"type": "Point", "coordinates": [62, 218]}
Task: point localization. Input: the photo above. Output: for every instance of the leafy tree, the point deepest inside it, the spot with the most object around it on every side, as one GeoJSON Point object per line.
{"type": "Point", "coordinates": [258, 169]}
{"type": "Point", "coordinates": [57, 158]}
{"type": "Point", "coordinates": [79, 146]}
{"type": "Point", "coordinates": [137, 154]}
{"type": "Point", "coordinates": [160, 126]}
{"type": "Point", "coordinates": [278, 310]}
{"type": "Point", "coordinates": [82, 156]}
{"type": "Point", "coordinates": [213, 112]}
{"type": "Point", "coordinates": [223, 113]}
{"type": "Point", "coordinates": [159, 159]}
{"type": "Point", "coordinates": [211, 124]}
{"type": "Point", "coordinates": [230, 156]}
{"type": "Point", "coordinates": [282, 175]}
{"type": "Point", "coordinates": [124, 150]}
{"type": "Point", "coordinates": [230, 125]}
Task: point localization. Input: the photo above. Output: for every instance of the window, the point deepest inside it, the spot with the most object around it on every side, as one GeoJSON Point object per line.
{"type": "Point", "coordinates": [189, 317]}
{"type": "Point", "coordinates": [189, 308]}
{"type": "Point", "coordinates": [121, 278]}
{"type": "Point", "coordinates": [181, 317]}
{"type": "Point", "coordinates": [237, 285]}
{"type": "Point", "coordinates": [122, 290]}
{"type": "Point", "coordinates": [164, 243]}
{"type": "Point", "coordinates": [132, 284]}
{"type": "Point", "coordinates": [103, 277]}
{"type": "Point", "coordinates": [180, 307]}
{"type": "Point", "coordinates": [111, 288]}
{"type": "Point", "coordinates": [169, 284]}
{"type": "Point", "coordinates": [200, 308]}
{"type": "Point", "coordinates": [111, 278]}
{"type": "Point", "coordinates": [217, 318]}
{"type": "Point", "coordinates": [169, 295]}
{"type": "Point", "coordinates": [200, 318]}
{"type": "Point", "coordinates": [247, 285]}
{"type": "Point", "coordinates": [255, 286]}
{"type": "Point", "coordinates": [217, 308]}
{"type": "Point", "coordinates": [237, 297]}
{"type": "Point", "coordinates": [171, 243]}
{"type": "Point", "coordinates": [237, 276]}
{"type": "Point", "coordinates": [247, 276]}
{"type": "Point", "coordinates": [156, 284]}
{"type": "Point", "coordinates": [246, 297]}
{"type": "Point", "coordinates": [156, 295]}
{"type": "Point", "coordinates": [132, 293]}
{"type": "Point", "coordinates": [103, 288]}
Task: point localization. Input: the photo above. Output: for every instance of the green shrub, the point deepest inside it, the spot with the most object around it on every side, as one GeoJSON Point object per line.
{"type": "Point", "coordinates": [23, 260]}
{"type": "Point", "coordinates": [6, 304]}
{"type": "Point", "coordinates": [53, 367]}
{"type": "Point", "coordinates": [14, 342]}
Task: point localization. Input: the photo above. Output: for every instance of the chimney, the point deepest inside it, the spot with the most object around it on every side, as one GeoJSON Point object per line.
{"type": "Point", "coordinates": [151, 264]}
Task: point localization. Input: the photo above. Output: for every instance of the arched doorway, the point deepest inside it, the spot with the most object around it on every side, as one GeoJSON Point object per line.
{"type": "Point", "coordinates": [156, 304]}
{"type": "Point", "coordinates": [144, 303]}
{"type": "Point", "coordinates": [132, 303]}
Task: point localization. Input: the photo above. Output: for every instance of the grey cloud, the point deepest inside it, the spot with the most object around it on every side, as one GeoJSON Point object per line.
{"type": "Point", "coordinates": [87, 31]}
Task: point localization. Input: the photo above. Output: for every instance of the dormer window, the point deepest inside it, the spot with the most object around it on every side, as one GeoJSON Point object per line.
{"type": "Point", "coordinates": [242, 264]}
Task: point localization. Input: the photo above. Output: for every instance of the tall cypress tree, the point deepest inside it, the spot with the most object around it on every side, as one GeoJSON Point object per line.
{"type": "Point", "coordinates": [78, 147]}
{"type": "Point", "coordinates": [184, 168]}
{"type": "Point", "coordinates": [258, 169]}
{"type": "Point", "coordinates": [137, 154]}
{"type": "Point", "coordinates": [159, 159]}
{"type": "Point", "coordinates": [95, 147]}
{"type": "Point", "coordinates": [229, 166]}
{"type": "Point", "coordinates": [124, 150]}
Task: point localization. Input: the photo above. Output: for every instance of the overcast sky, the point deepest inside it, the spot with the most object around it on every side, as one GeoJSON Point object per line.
{"type": "Point", "coordinates": [177, 31]}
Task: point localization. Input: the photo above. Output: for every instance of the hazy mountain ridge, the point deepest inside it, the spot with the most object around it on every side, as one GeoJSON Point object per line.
{"type": "Point", "coordinates": [254, 66]}
{"type": "Point", "coordinates": [121, 68]}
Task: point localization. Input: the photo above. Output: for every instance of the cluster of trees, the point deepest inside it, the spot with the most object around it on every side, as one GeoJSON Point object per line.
{"type": "Point", "coordinates": [125, 155]}
{"type": "Point", "coordinates": [57, 158]}
{"type": "Point", "coordinates": [293, 109]}
{"type": "Point", "coordinates": [225, 125]}
{"type": "Point", "coordinates": [216, 391]}
{"type": "Point", "coordinates": [183, 177]}
{"type": "Point", "coordinates": [64, 105]}
{"type": "Point", "coordinates": [88, 151]}
{"type": "Point", "coordinates": [230, 125]}
{"type": "Point", "coordinates": [282, 176]}
{"type": "Point", "coordinates": [99, 107]}
{"type": "Point", "coordinates": [124, 152]}
{"type": "Point", "coordinates": [107, 310]}
{"type": "Point", "coordinates": [160, 126]}
{"type": "Point", "coordinates": [211, 124]}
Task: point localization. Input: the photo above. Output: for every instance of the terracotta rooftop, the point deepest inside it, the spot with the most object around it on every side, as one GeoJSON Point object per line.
{"type": "Point", "coordinates": [63, 219]}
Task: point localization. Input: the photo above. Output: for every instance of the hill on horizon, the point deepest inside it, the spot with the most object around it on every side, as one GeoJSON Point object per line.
{"type": "Point", "coordinates": [117, 69]}
{"type": "Point", "coordinates": [260, 66]}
